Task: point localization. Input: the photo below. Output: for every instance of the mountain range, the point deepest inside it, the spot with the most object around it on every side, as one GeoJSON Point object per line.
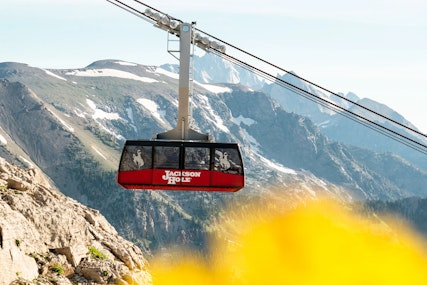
{"type": "Point", "coordinates": [71, 124]}
{"type": "Point", "coordinates": [210, 69]}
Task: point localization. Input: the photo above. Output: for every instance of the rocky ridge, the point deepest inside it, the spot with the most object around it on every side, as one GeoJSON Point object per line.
{"type": "Point", "coordinates": [48, 238]}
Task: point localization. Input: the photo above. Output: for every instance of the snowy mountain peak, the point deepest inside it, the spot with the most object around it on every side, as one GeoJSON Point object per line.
{"type": "Point", "coordinates": [213, 69]}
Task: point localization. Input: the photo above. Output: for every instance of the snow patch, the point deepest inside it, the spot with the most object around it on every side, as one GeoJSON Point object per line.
{"type": "Point", "coordinates": [54, 75]}
{"type": "Point", "coordinates": [100, 114]}
{"type": "Point", "coordinates": [324, 124]}
{"type": "Point", "coordinates": [107, 72]}
{"type": "Point", "coordinates": [214, 118]}
{"type": "Point", "coordinates": [91, 104]}
{"type": "Point", "coordinates": [79, 113]}
{"type": "Point", "coordinates": [63, 123]}
{"type": "Point", "coordinates": [215, 88]}
{"type": "Point", "coordinates": [152, 106]}
{"type": "Point", "coordinates": [233, 74]}
{"type": "Point", "coordinates": [107, 130]}
{"type": "Point", "coordinates": [3, 140]}
{"type": "Point", "coordinates": [130, 114]}
{"type": "Point", "coordinates": [125, 63]}
{"type": "Point", "coordinates": [173, 75]}
{"type": "Point", "coordinates": [312, 139]}
{"type": "Point", "coordinates": [277, 166]}
{"type": "Point", "coordinates": [205, 76]}
{"type": "Point", "coordinates": [98, 152]}
{"type": "Point", "coordinates": [129, 111]}
{"type": "Point", "coordinates": [251, 140]}
{"type": "Point", "coordinates": [241, 119]}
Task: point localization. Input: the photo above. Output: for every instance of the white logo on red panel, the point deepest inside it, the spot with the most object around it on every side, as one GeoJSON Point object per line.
{"type": "Point", "coordinates": [173, 177]}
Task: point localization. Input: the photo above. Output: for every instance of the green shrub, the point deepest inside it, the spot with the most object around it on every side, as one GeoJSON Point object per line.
{"type": "Point", "coordinates": [57, 268]}
{"type": "Point", "coordinates": [95, 253]}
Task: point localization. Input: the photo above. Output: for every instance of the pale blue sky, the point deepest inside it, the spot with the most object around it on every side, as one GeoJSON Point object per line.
{"type": "Point", "coordinates": [374, 48]}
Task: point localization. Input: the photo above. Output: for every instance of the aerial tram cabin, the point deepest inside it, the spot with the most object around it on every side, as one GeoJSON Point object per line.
{"type": "Point", "coordinates": [181, 165]}
{"type": "Point", "coordinates": [182, 158]}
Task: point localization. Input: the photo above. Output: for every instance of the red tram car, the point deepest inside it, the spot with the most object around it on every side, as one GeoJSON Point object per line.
{"type": "Point", "coordinates": [181, 165]}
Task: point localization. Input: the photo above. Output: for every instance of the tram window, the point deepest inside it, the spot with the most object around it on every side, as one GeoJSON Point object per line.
{"type": "Point", "coordinates": [227, 160]}
{"type": "Point", "coordinates": [197, 158]}
{"type": "Point", "coordinates": [136, 157]}
{"type": "Point", "coordinates": [166, 157]}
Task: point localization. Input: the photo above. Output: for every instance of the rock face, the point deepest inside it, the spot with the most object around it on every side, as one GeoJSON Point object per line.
{"type": "Point", "coordinates": [48, 238]}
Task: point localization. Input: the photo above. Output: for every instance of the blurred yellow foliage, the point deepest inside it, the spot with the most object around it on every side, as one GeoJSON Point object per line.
{"type": "Point", "coordinates": [318, 243]}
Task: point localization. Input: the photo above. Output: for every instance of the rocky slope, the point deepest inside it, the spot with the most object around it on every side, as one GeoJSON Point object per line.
{"type": "Point", "coordinates": [47, 238]}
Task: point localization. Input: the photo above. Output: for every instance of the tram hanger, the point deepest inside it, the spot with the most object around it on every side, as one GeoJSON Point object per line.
{"type": "Point", "coordinates": [182, 158]}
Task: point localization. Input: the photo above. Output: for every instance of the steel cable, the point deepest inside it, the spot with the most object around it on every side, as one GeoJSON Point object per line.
{"type": "Point", "coordinates": [412, 143]}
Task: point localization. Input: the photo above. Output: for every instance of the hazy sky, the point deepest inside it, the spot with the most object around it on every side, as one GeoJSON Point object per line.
{"type": "Point", "coordinates": [374, 48]}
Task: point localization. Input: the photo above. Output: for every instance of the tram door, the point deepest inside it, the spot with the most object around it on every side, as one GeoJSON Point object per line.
{"type": "Point", "coordinates": [179, 166]}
